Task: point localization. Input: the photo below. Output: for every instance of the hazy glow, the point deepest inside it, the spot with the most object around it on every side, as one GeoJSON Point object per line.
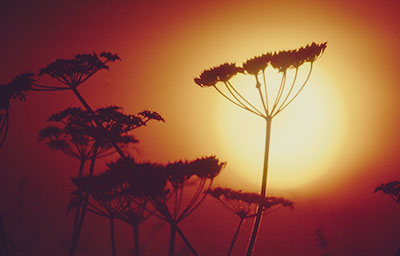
{"type": "Point", "coordinates": [306, 136]}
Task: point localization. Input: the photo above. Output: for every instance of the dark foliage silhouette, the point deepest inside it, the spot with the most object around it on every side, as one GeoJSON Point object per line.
{"type": "Point", "coordinates": [16, 89]}
{"type": "Point", "coordinates": [133, 191]}
{"type": "Point", "coordinates": [283, 61]}
{"type": "Point", "coordinates": [245, 205]}
{"type": "Point", "coordinates": [122, 192]}
{"type": "Point", "coordinates": [199, 173]}
{"type": "Point", "coordinates": [392, 189]}
{"type": "Point", "coordinates": [79, 137]}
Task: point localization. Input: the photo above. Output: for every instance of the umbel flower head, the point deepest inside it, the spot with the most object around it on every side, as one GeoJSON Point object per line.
{"type": "Point", "coordinates": [257, 64]}
{"type": "Point", "coordinates": [16, 89]}
{"type": "Point", "coordinates": [392, 189]}
{"type": "Point", "coordinates": [73, 72]}
{"type": "Point", "coordinates": [77, 129]}
{"type": "Point", "coordinates": [139, 180]}
{"type": "Point", "coordinates": [221, 73]}
{"type": "Point", "coordinates": [203, 168]}
{"type": "Point", "coordinates": [245, 204]}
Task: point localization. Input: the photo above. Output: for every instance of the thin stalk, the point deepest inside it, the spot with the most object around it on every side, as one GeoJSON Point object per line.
{"type": "Point", "coordinates": [188, 244]}
{"type": "Point", "coordinates": [280, 92]}
{"type": "Point", "coordinates": [112, 238]}
{"type": "Point", "coordinates": [172, 239]}
{"type": "Point", "coordinates": [4, 126]}
{"type": "Point", "coordinates": [82, 211]}
{"type": "Point", "coordinates": [261, 96]}
{"type": "Point", "coordinates": [290, 91]}
{"type": "Point", "coordinates": [301, 88]}
{"type": "Point", "coordinates": [135, 229]}
{"type": "Point", "coordinates": [235, 236]}
{"type": "Point", "coordinates": [88, 108]}
{"type": "Point", "coordinates": [240, 95]}
{"type": "Point", "coordinates": [74, 240]}
{"type": "Point", "coordinates": [266, 91]}
{"type": "Point", "coordinates": [257, 220]}
{"type": "Point", "coordinates": [237, 104]}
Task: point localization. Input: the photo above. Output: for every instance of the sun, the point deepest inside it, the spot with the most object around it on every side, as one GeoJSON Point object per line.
{"type": "Point", "coordinates": [306, 137]}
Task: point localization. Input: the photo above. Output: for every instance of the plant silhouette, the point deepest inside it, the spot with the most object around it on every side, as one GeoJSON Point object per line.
{"type": "Point", "coordinates": [69, 74]}
{"type": "Point", "coordinates": [392, 189]}
{"type": "Point", "coordinates": [283, 61]}
{"type": "Point", "coordinates": [199, 173]}
{"type": "Point", "coordinates": [128, 188]}
{"type": "Point", "coordinates": [245, 205]}
{"type": "Point", "coordinates": [16, 89]}
{"type": "Point", "coordinates": [79, 137]}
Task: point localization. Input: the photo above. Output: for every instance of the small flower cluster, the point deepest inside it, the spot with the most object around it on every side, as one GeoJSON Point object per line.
{"type": "Point", "coordinates": [78, 131]}
{"type": "Point", "coordinates": [72, 72]}
{"type": "Point", "coordinates": [281, 61]}
{"type": "Point", "coordinates": [392, 188]}
{"type": "Point", "coordinates": [221, 73]}
{"type": "Point", "coordinates": [15, 89]}
{"type": "Point", "coordinates": [245, 204]}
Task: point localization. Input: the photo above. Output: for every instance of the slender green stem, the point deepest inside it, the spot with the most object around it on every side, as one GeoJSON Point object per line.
{"type": "Point", "coordinates": [235, 236]}
{"type": "Point", "coordinates": [263, 192]}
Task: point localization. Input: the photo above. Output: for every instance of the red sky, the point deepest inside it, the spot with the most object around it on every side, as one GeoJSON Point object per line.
{"type": "Point", "coordinates": [163, 46]}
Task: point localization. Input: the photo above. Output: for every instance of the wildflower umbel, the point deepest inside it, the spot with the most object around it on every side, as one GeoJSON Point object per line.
{"type": "Point", "coordinates": [392, 189]}
{"type": "Point", "coordinates": [16, 89]}
{"type": "Point", "coordinates": [245, 205]}
{"type": "Point", "coordinates": [271, 105]}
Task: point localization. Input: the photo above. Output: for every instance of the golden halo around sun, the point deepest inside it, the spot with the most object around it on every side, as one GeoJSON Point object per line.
{"type": "Point", "coordinates": [306, 137]}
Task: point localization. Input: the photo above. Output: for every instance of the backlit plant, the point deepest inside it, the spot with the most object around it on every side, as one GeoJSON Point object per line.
{"type": "Point", "coordinates": [283, 62]}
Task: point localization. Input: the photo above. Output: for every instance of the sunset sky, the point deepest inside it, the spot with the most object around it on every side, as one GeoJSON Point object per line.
{"type": "Point", "coordinates": [330, 148]}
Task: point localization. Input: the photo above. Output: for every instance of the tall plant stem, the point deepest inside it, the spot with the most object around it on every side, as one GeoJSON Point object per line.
{"type": "Point", "coordinates": [88, 108]}
{"type": "Point", "coordinates": [112, 237]}
{"type": "Point", "coordinates": [263, 192]}
{"type": "Point", "coordinates": [235, 236]}
{"type": "Point", "coordinates": [77, 214]}
{"type": "Point", "coordinates": [172, 239]}
{"type": "Point", "coordinates": [80, 211]}
{"type": "Point", "coordinates": [135, 229]}
{"type": "Point", "coordinates": [188, 244]}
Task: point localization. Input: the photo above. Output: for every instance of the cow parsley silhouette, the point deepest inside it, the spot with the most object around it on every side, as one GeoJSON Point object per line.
{"type": "Point", "coordinates": [283, 62]}
{"type": "Point", "coordinates": [245, 205]}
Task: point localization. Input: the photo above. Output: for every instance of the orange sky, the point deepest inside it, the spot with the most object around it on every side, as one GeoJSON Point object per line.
{"type": "Point", "coordinates": [165, 44]}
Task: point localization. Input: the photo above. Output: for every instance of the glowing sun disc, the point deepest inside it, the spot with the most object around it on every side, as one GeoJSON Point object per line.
{"type": "Point", "coordinates": [305, 141]}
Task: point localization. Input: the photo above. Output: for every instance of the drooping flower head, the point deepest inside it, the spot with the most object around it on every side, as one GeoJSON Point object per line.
{"type": "Point", "coordinates": [214, 75]}
{"type": "Point", "coordinates": [245, 204]}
